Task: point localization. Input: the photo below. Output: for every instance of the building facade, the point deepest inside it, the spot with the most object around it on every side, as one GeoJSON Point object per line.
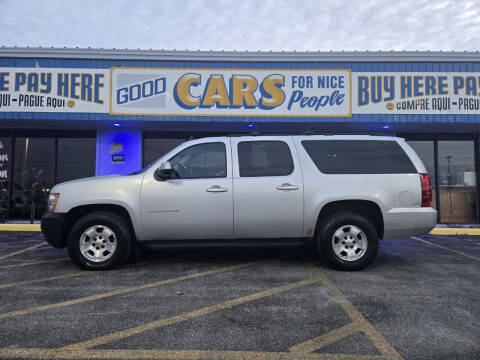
{"type": "Point", "coordinates": [72, 113]}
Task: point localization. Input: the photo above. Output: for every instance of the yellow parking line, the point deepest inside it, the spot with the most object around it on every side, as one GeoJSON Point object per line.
{"type": "Point", "coordinates": [82, 273]}
{"type": "Point", "coordinates": [447, 248]}
{"type": "Point", "coordinates": [378, 340]}
{"type": "Point", "coordinates": [20, 227]}
{"type": "Point", "coordinates": [326, 339]}
{"type": "Point", "coordinates": [187, 316]}
{"type": "Point", "coordinates": [300, 351]}
{"type": "Point", "coordinates": [358, 320]}
{"type": "Point", "coordinates": [22, 251]}
{"type": "Point", "coordinates": [120, 291]}
{"type": "Point", "coordinates": [35, 239]}
{"type": "Point", "coordinates": [27, 263]}
{"type": "Point", "coordinates": [36, 281]}
{"type": "Point", "coordinates": [174, 355]}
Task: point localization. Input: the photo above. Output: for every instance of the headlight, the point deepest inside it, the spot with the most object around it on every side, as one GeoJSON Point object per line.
{"type": "Point", "coordinates": [52, 202]}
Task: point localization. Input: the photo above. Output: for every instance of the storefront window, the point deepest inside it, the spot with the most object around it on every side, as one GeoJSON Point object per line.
{"type": "Point", "coordinates": [5, 176]}
{"type": "Point", "coordinates": [75, 159]}
{"type": "Point", "coordinates": [153, 149]}
{"type": "Point", "coordinates": [33, 176]}
{"type": "Point", "coordinates": [457, 183]}
{"type": "Point", "coordinates": [425, 151]}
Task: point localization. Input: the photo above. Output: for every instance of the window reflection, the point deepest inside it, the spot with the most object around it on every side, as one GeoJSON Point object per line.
{"type": "Point", "coordinates": [33, 176]}
{"type": "Point", "coordinates": [153, 149]}
{"type": "Point", "coordinates": [457, 182]}
{"type": "Point", "coordinates": [201, 161]}
{"type": "Point", "coordinates": [5, 176]}
{"type": "Point", "coordinates": [76, 158]}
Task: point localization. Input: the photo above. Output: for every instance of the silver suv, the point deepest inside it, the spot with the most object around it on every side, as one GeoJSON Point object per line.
{"type": "Point", "coordinates": [340, 192]}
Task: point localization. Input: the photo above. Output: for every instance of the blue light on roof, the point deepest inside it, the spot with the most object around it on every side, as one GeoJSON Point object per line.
{"type": "Point", "coordinates": [250, 126]}
{"type": "Point", "coordinates": [386, 127]}
{"type": "Point", "coordinates": [116, 125]}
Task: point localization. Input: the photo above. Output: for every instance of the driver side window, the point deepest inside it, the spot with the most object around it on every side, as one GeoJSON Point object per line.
{"type": "Point", "coordinates": [201, 161]}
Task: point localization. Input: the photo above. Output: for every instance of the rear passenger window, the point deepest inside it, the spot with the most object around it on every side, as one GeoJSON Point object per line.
{"type": "Point", "coordinates": [358, 157]}
{"type": "Point", "coordinates": [264, 158]}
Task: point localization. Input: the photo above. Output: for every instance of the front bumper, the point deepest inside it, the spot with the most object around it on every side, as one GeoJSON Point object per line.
{"type": "Point", "coordinates": [52, 228]}
{"type": "Point", "coordinates": [405, 222]}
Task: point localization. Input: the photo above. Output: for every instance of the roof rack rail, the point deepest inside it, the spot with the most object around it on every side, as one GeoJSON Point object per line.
{"type": "Point", "coordinates": [307, 132]}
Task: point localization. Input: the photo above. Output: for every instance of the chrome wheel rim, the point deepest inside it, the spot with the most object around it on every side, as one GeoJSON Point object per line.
{"type": "Point", "coordinates": [349, 242]}
{"type": "Point", "coordinates": [98, 243]}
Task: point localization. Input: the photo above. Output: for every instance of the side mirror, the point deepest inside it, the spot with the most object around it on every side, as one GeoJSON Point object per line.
{"type": "Point", "coordinates": [164, 172]}
{"type": "Point", "coordinates": [165, 166]}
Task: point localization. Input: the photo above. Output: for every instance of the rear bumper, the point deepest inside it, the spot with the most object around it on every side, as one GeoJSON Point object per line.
{"type": "Point", "coordinates": [52, 229]}
{"type": "Point", "coordinates": [403, 222]}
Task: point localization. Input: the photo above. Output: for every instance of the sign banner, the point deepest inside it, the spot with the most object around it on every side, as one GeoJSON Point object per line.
{"type": "Point", "coordinates": [416, 93]}
{"type": "Point", "coordinates": [236, 92]}
{"type": "Point", "coordinates": [54, 90]}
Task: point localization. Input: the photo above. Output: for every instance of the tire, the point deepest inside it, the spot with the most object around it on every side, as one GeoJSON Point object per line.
{"type": "Point", "coordinates": [347, 241]}
{"type": "Point", "coordinates": [136, 254]}
{"type": "Point", "coordinates": [100, 241]}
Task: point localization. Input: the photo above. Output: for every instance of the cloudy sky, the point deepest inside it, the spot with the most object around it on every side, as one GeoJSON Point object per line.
{"type": "Point", "coordinates": [243, 24]}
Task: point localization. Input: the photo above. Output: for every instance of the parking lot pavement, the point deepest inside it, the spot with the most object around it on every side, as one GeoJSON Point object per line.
{"type": "Point", "coordinates": [418, 300]}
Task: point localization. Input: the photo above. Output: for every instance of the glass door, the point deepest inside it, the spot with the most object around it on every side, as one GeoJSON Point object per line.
{"type": "Point", "coordinates": [5, 175]}
{"type": "Point", "coordinates": [457, 182]}
{"type": "Point", "coordinates": [33, 169]}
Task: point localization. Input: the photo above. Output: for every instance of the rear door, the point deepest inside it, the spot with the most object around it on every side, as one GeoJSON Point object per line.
{"type": "Point", "coordinates": [268, 188]}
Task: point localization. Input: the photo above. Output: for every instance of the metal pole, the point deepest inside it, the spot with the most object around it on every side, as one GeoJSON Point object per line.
{"type": "Point", "coordinates": [437, 186]}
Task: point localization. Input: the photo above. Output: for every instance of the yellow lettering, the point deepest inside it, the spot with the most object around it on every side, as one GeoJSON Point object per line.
{"type": "Point", "coordinates": [243, 87]}
{"type": "Point", "coordinates": [182, 90]}
{"type": "Point", "coordinates": [216, 92]}
{"type": "Point", "coordinates": [272, 94]}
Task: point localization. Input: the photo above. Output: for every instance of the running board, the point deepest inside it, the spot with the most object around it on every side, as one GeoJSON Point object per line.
{"type": "Point", "coordinates": [237, 243]}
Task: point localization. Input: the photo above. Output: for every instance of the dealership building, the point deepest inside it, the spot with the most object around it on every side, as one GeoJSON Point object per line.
{"type": "Point", "coordinates": [73, 113]}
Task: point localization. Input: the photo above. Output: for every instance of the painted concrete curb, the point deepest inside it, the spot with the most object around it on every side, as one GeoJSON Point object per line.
{"type": "Point", "coordinates": [20, 227]}
{"type": "Point", "coordinates": [436, 231]}
{"type": "Point", "coordinates": [455, 231]}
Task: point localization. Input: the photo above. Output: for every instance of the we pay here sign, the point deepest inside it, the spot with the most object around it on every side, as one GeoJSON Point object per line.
{"type": "Point", "coordinates": [54, 90]}
{"type": "Point", "coordinates": [236, 92]}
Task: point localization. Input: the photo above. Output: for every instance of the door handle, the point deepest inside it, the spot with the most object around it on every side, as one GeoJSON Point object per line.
{"type": "Point", "coordinates": [216, 188]}
{"type": "Point", "coordinates": [287, 186]}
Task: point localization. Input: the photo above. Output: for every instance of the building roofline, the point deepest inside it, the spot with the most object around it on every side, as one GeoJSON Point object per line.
{"type": "Point", "coordinates": [241, 56]}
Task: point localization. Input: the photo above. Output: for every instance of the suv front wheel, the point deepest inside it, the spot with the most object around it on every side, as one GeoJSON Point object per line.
{"type": "Point", "coordinates": [347, 241]}
{"type": "Point", "coordinates": [99, 241]}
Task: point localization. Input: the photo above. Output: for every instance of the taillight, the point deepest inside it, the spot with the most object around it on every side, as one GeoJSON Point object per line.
{"type": "Point", "coordinates": [426, 190]}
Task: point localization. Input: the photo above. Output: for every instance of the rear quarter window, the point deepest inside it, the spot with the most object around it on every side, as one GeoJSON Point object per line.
{"type": "Point", "coordinates": [359, 157]}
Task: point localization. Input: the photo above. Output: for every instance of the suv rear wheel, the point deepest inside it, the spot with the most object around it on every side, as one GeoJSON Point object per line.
{"type": "Point", "coordinates": [347, 241]}
{"type": "Point", "coordinates": [99, 241]}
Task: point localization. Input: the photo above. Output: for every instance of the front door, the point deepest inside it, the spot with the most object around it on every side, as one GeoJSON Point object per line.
{"type": "Point", "coordinates": [198, 203]}
{"type": "Point", "coordinates": [268, 188]}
